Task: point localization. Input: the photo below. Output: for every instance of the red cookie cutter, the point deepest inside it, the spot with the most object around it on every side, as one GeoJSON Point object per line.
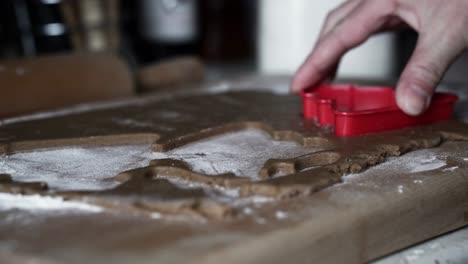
{"type": "Point", "coordinates": [355, 110]}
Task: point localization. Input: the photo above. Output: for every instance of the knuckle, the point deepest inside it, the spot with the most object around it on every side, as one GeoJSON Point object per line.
{"type": "Point", "coordinates": [346, 39]}
{"type": "Point", "coordinates": [331, 16]}
{"type": "Point", "coordinates": [342, 41]}
{"type": "Point", "coordinates": [425, 75]}
{"type": "Point", "coordinates": [457, 37]}
{"type": "Point", "coordinates": [317, 64]}
{"type": "Point", "coordinates": [332, 13]}
{"type": "Point", "coordinates": [428, 70]}
{"type": "Point", "coordinates": [386, 7]}
{"type": "Point", "coordinates": [337, 12]}
{"type": "Point", "coordinates": [319, 69]}
{"type": "Point", "coordinates": [328, 19]}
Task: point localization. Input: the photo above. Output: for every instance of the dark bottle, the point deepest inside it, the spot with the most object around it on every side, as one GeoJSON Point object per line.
{"type": "Point", "coordinates": [227, 30]}
{"type": "Point", "coordinates": [48, 27]}
{"type": "Point", "coordinates": [13, 43]}
{"type": "Point", "coordinates": [168, 28]}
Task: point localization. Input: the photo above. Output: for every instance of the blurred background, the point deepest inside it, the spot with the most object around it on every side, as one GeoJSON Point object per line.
{"type": "Point", "coordinates": [142, 31]}
{"type": "Point", "coordinates": [273, 36]}
{"type": "Point", "coordinates": [57, 46]}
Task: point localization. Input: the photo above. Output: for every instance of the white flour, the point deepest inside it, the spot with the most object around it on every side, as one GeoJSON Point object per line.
{"type": "Point", "coordinates": [75, 168]}
{"type": "Point", "coordinates": [431, 163]}
{"type": "Point", "coordinates": [42, 203]}
{"type": "Point", "coordinates": [242, 153]}
{"type": "Point", "coordinates": [451, 168]}
{"type": "Point", "coordinates": [413, 162]}
{"type": "Point", "coordinates": [280, 215]}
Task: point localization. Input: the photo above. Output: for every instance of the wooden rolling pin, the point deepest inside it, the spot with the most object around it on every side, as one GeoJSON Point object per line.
{"type": "Point", "coordinates": [170, 74]}
{"type": "Point", "coordinates": [42, 83]}
{"type": "Point", "coordinates": [50, 82]}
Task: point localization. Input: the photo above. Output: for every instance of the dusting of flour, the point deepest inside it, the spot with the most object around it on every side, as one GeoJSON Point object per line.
{"type": "Point", "coordinates": [75, 168]}
{"type": "Point", "coordinates": [42, 203]}
{"type": "Point", "coordinates": [242, 153]}
{"type": "Point", "coordinates": [425, 164]}
{"type": "Point", "coordinates": [413, 162]}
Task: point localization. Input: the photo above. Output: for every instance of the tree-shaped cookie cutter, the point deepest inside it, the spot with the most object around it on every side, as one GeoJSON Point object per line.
{"type": "Point", "coordinates": [355, 110]}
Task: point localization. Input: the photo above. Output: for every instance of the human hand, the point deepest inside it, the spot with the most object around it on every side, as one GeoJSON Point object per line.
{"type": "Point", "coordinates": [443, 36]}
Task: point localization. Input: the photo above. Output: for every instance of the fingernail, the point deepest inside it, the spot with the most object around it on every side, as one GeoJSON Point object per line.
{"type": "Point", "coordinates": [416, 101]}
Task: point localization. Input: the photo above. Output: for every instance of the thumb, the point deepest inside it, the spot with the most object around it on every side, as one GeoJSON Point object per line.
{"type": "Point", "coordinates": [425, 69]}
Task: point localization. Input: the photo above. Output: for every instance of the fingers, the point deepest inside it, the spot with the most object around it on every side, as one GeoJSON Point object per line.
{"type": "Point", "coordinates": [367, 18]}
{"type": "Point", "coordinates": [334, 18]}
{"type": "Point", "coordinates": [337, 15]}
{"type": "Point", "coordinates": [431, 58]}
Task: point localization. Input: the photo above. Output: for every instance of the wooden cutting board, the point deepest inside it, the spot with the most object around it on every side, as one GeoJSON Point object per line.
{"type": "Point", "coordinates": [350, 200]}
